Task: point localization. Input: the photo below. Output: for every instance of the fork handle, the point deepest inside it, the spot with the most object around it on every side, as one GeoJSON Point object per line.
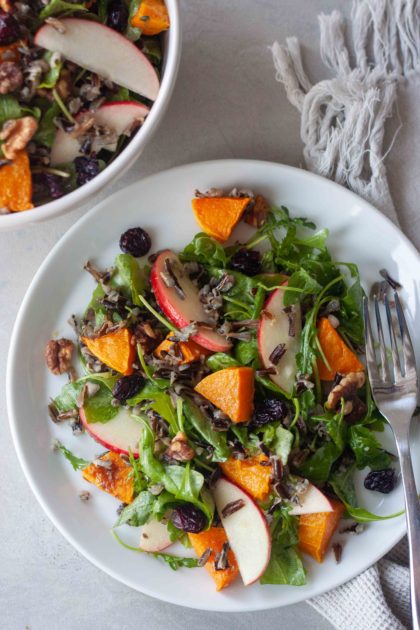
{"type": "Point", "coordinates": [413, 522]}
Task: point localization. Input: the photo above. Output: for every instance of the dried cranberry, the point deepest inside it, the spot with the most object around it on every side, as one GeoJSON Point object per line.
{"type": "Point", "coordinates": [247, 261]}
{"type": "Point", "coordinates": [136, 242]}
{"type": "Point", "coordinates": [269, 410]}
{"type": "Point", "coordinates": [117, 16]}
{"type": "Point", "coordinates": [86, 169]}
{"type": "Point", "coordinates": [9, 29]}
{"type": "Point", "coordinates": [54, 183]}
{"type": "Point", "coordinates": [188, 518]}
{"type": "Point", "coordinates": [381, 480]}
{"type": "Point", "coordinates": [127, 387]}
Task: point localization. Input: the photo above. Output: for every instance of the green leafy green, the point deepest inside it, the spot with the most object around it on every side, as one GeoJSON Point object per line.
{"type": "Point", "coordinates": [342, 482]}
{"type": "Point", "coordinates": [58, 7]}
{"type": "Point", "coordinates": [175, 562]}
{"type": "Point", "coordinates": [132, 33]}
{"type": "Point", "coordinates": [138, 512]}
{"type": "Point", "coordinates": [128, 277]}
{"type": "Point", "coordinates": [51, 77]}
{"type": "Point", "coordinates": [77, 462]}
{"type": "Point", "coordinates": [205, 250]}
{"type": "Point", "coordinates": [97, 408]}
{"type": "Point", "coordinates": [46, 130]}
{"type": "Point", "coordinates": [367, 449]}
{"type": "Point", "coordinates": [221, 361]}
{"type": "Point", "coordinates": [202, 426]}
{"type": "Point", "coordinates": [317, 467]}
{"type": "Point", "coordinates": [158, 400]}
{"type": "Point", "coordinates": [285, 566]}
{"type": "Point", "coordinates": [9, 108]}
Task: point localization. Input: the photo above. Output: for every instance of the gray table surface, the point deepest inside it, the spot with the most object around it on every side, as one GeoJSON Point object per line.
{"type": "Point", "coordinates": [226, 105]}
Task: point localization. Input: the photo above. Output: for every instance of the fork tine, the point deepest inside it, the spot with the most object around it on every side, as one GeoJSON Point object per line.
{"type": "Point", "coordinates": [369, 341]}
{"type": "Point", "coordinates": [382, 348]}
{"type": "Point", "coordinates": [408, 351]}
{"type": "Point", "coordinates": [394, 350]}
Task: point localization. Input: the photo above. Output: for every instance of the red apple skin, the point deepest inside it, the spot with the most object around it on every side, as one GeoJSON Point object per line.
{"type": "Point", "coordinates": [110, 447]}
{"type": "Point", "coordinates": [264, 520]}
{"type": "Point", "coordinates": [208, 339]}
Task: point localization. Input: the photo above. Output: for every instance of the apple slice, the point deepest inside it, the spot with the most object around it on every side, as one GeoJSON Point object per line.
{"type": "Point", "coordinates": [183, 306]}
{"type": "Point", "coordinates": [119, 434]}
{"type": "Point", "coordinates": [102, 50]}
{"type": "Point", "coordinates": [246, 529]}
{"type": "Point", "coordinates": [274, 330]}
{"type": "Point", "coordinates": [119, 117]}
{"type": "Point", "coordinates": [154, 536]}
{"type": "Point", "coordinates": [312, 502]}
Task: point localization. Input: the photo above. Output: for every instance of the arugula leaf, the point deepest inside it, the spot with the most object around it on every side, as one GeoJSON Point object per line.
{"type": "Point", "coordinates": [138, 512]}
{"type": "Point", "coordinates": [285, 566]}
{"type": "Point", "coordinates": [132, 33]}
{"type": "Point", "coordinates": [51, 77]}
{"type": "Point", "coordinates": [97, 408]}
{"type": "Point", "coordinates": [217, 439]}
{"type": "Point", "coordinates": [175, 562]}
{"type": "Point", "coordinates": [364, 516]}
{"type": "Point", "coordinates": [46, 130]}
{"type": "Point", "coordinates": [77, 462]}
{"type": "Point", "coordinates": [139, 482]}
{"type": "Point", "coordinates": [367, 449]}
{"type": "Point", "coordinates": [282, 444]}
{"type": "Point", "coordinates": [205, 250]}
{"type": "Point", "coordinates": [122, 94]}
{"type": "Point", "coordinates": [158, 400]}
{"type": "Point", "coordinates": [342, 482]}
{"type": "Point", "coordinates": [9, 108]}
{"type": "Point", "coordinates": [67, 398]}
{"type": "Point", "coordinates": [246, 352]}
{"type": "Point", "coordinates": [103, 9]}
{"type": "Point", "coordinates": [221, 361]}
{"type": "Point", "coordinates": [152, 49]}
{"type": "Point", "coordinates": [317, 467]}
{"type": "Point", "coordinates": [128, 277]}
{"type": "Point", "coordinates": [56, 7]}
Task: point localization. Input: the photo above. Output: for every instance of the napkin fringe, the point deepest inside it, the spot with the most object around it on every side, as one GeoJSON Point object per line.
{"type": "Point", "coordinates": [343, 119]}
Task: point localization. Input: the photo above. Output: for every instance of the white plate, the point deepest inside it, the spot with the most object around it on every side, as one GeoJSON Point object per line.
{"type": "Point", "coordinates": [162, 205]}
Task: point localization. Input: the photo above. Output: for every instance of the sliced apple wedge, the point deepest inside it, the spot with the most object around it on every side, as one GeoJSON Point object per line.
{"type": "Point", "coordinates": [279, 329]}
{"type": "Point", "coordinates": [312, 501]}
{"type": "Point", "coordinates": [183, 306]}
{"type": "Point", "coordinates": [119, 434]}
{"type": "Point", "coordinates": [102, 50]}
{"type": "Point", "coordinates": [246, 529]}
{"type": "Point", "coordinates": [120, 117]}
{"type": "Point", "coordinates": [154, 536]}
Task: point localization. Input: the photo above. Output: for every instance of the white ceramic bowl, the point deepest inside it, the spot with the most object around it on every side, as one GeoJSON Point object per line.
{"type": "Point", "coordinates": [172, 51]}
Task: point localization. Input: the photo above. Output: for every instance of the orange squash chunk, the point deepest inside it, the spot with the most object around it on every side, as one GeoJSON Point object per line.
{"type": "Point", "coordinates": [217, 216]}
{"type": "Point", "coordinates": [316, 530]}
{"type": "Point", "coordinates": [214, 539]}
{"type": "Point", "coordinates": [249, 474]}
{"type": "Point", "coordinates": [189, 350]}
{"type": "Point", "coordinates": [337, 353]}
{"type": "Point", "coordinates": [16, 184]}
{"type": "Point", "coordinates": [114, 349]}
{"type": "Point", "coordinates": [231, 390]}
{"type": "Point", "coordinates": [151, 17]}
{"type": "Point", "coordinates": [115, 479]}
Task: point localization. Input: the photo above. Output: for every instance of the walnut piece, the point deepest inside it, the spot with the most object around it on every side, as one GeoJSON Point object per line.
{"type": "Point", "coordinates": [346, 389]}
{"type": "Point", "coordinates": [16, 134]}
{"type": "Point", "coordinates": [256, 215]}
{"type": "Point", "coordinates": [179, 449]}
{"type": "Point", "coordinates": [11, 77]}
{"type": "Point", "coordinates": [58, 353]}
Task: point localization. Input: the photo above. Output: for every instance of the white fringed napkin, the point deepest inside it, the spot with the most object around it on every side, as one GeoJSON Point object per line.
{"type": "Point", "coordinates": [343, 127]}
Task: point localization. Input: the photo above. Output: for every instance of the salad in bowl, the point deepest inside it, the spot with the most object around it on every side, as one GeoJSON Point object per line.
{"type": "Point", "coordinates": [225, 385]}
{"type": "Point", "coordinates": [77, 82]}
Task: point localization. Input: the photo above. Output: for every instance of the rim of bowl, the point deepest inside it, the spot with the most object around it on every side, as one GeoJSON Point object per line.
{"type": "Point", "coordinates": [81, 195]}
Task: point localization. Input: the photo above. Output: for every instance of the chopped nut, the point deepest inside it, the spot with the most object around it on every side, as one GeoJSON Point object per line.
{"type": "Point", "coordinates": [58, 353]}
{"type": "Point", "coordinates": [84, 495]}
{"type": "Point", "coordinates": [179, 449]}
{"type": "Point", "coordinates": [16, 135]}
{"type": "Point", "coordinates": [64, 84]}
{"type": "Point", "coordinates": [345, 389]}
{"type": "Point", "coordinates": [338, 551]}
{"type": "Point", "coordinates": [11, 77]}
{"type": "Point", "coordinates": [257, 213]}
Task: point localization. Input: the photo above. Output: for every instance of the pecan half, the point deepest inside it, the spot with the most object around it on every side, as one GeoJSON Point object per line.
{"type": "Point", "coordinates": [58, 353]}
{"type": "Point", "coordinates": [179, 449]}
{"type": "Point", "coordinates": [11, 77]}
{"type": "Point", "coordinates": [16, 134]}
{"type": "Point", "coordinates": [346, 389]}
{"type": "Point", "coordinates": [256, 215]}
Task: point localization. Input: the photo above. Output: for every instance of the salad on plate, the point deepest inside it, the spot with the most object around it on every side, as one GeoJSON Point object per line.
{"type": "Point", "coordinates": [225, 385]}
{"type": "Point", "coordinates": [77, 80]}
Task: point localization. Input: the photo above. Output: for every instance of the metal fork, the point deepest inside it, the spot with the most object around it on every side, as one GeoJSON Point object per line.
{"type": "Point", "coordinates": [394, 389]}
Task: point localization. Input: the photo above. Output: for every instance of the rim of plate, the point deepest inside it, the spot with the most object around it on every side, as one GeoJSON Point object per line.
{"type": "Point", "coordinates": [400, 528]}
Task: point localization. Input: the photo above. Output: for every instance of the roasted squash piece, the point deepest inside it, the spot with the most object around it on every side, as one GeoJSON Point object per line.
{"type": "Point", "coordinates": [16, 184]}
{"type": "Point", "coordinates": [189, 350]}
{"type": "Point", "coordinates": [337, 353]}
{"type": "Point", "coordinates": [217, 216]}
{"type": "Point", "coordinates": [151, 17]}
{"type": "Point", "coordinates": [251, 474]}
{"type": "Point", "coordinates": [114, 476]}
{"type": "Point", "coordinates": [214, 539]}
{"type": "Point", "coordinates": [316, 530]}
{"type": "Point", "coordinates": [114, 349]}
{"type": "Point", "coordinates": [231, 390]}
